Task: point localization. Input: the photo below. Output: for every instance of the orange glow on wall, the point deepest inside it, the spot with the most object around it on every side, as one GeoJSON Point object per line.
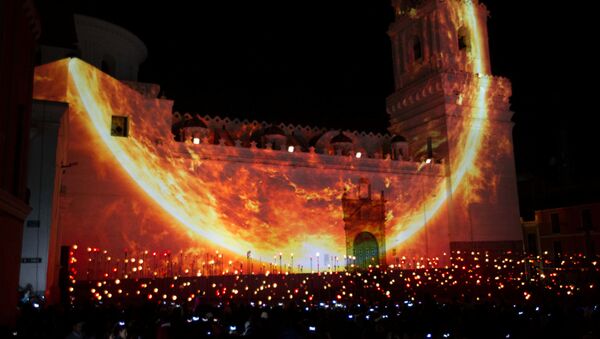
{"type": "Point", "coordinates": [146, 191]}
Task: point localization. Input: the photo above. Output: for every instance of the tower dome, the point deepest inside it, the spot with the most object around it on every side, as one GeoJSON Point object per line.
{"type": "Point", "coordinates": [275, 136]}
{"type": "Point", "coordinates": [340, 138]}
{"type": "Point", "coordinates": [397, 139]}
{"type": "Point", "coordinates": [192, 128]}
{"type": "Point", "coordinates": [273, 130]}
{"type": "Point", "coordinates": [341, 143]}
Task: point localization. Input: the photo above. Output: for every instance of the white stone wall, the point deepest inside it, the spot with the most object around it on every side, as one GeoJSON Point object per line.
{"type": "Point", "coordinates": [100, 40]}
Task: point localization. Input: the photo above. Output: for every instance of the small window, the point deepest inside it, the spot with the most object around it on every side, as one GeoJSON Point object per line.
{"type": "Point", "coordinates": [429, 148]}
{"type": "Point", "coordinates": [586, 219]}
{"type": "Point", "coordinates": [555, 223]}
{"type": "Point", "coordinates": [463, 39]}
{"type": "Point", "coordinates": [119, 126]}
{"type": "Point", "coordinates": [417, 49]}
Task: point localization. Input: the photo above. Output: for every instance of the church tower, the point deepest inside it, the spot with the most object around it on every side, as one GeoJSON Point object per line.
{"type": "Point", "coordinates": [364, 225]}
{"type": "Point", "coordinates": [448, 106]}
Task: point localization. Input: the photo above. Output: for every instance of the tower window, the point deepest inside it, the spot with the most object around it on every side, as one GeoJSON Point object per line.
{"type": "Point", "coordinates": [463, 39]}
{"type": "Point", "coordinates": [119, 126]}
{"type": "Point", "coordinates": [400, 59]}
{"type": "Point", "coordinates": [417, 49]}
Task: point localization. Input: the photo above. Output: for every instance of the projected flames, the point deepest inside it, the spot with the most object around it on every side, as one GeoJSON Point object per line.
{"type": "Point", "coordinates": [147, 191]}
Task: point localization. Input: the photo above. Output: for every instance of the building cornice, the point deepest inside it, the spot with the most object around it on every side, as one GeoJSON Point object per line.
{"type": "Point", "coordinates": [282, 158]}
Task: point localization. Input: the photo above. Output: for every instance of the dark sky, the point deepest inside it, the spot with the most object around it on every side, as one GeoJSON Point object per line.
{"type": "Point", "coordinates": [328, 63]}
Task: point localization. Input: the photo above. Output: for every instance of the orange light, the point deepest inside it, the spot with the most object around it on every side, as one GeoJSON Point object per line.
{"type": "Point", "coordinates": [207, 211]}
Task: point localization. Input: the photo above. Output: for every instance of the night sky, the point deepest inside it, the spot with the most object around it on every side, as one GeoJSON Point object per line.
{"type": "Point", "coordinates": [328, 63]}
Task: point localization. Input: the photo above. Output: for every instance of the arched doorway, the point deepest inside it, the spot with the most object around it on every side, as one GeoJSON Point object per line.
{"type": "Point", "coordinates": [366, 250]}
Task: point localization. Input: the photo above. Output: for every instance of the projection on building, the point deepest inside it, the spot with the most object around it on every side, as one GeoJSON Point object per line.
{"type": "Point", "coordinates": [149, 180]}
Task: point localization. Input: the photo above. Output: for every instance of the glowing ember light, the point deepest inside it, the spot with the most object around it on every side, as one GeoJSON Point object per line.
{"type": "Point", "coordinates": [196, 141]}
{"type": "Point", "coordinates": [358, 155]}
{"type": "Point", "coordinates": [291, 149]}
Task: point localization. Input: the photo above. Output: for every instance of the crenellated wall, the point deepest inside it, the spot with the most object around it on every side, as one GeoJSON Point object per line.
{"type": "Point", "coordinates": [252, 134]}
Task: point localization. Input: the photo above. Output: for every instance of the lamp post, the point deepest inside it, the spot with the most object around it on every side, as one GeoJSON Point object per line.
{"type": "Point", "coordinates": [280, 264]}
{"type": "Point", "coordinates": [425, 219]}
{"type": "Point", "coordinates": [428, 161]}
{"type": "Point", "coordinates": [292, 265]}
{"type": "Point", "coordinates": [318, 262]}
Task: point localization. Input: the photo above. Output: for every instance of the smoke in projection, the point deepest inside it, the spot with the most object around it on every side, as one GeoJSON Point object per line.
{"type": "Point", "coordinates": [148, 192]}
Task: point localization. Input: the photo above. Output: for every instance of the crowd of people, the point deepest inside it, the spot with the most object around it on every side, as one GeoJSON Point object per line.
{"type": "Point", "coordinates": [475, 297]}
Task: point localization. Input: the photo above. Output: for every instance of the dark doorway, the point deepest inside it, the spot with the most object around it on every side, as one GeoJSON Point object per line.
{"type": "Point", "coordinates": [366, 250]}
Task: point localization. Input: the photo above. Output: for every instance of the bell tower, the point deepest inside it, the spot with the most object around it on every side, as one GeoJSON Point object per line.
{"type": "Point", "coordinates": [446, 104]}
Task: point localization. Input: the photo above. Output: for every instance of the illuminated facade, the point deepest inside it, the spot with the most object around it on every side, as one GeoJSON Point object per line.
{"type": "Point", "coordinates": [571, 230]}
{"type": "Point", "coordinates": [364, 219]}
{"type": "Point", "coordinates": [151, 180]}
{"type": "Point", "coordinates": [445, 95]}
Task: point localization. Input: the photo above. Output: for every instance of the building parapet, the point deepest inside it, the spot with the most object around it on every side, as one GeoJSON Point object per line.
{"type": "Point", "coordinates": [310, 159]}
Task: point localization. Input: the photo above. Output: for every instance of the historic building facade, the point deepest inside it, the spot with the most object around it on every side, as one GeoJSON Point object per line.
{"type": "Point", "coordinates": [139, 176]}
{"type": "Point", "coordinates": [569, 230]}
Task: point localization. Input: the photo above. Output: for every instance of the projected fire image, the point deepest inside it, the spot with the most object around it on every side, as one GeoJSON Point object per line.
{"type": "Point", "coordinates": [149, 179]}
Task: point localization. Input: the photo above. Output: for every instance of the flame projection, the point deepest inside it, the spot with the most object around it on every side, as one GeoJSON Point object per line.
{"type": "Point", "coordinates": [146, 191]}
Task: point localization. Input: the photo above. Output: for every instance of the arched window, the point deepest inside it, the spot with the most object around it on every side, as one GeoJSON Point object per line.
{"type": "Point", "coordinates": [463, 39]}
{"type": "Point", "coordinates": [417, 49]}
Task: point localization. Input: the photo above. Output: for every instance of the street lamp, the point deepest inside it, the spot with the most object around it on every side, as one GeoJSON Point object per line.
{"type": "Point", "coordinates": [427, 161]}
{"type": "Point", "coordinates": [318, 262]}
